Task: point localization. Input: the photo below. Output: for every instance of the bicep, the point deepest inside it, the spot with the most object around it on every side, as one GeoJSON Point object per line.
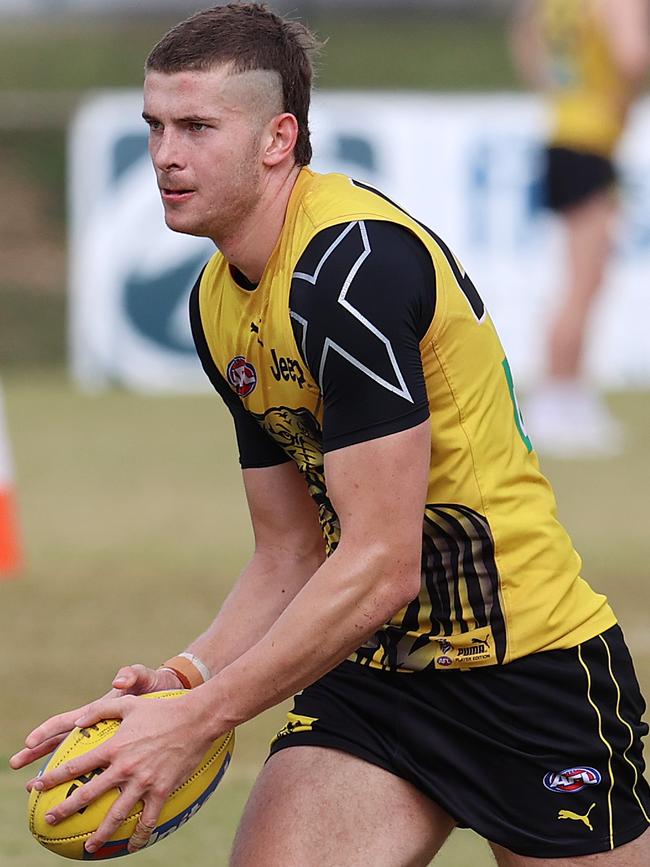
{"type": "Point", "coordinates": [283, 514]}
{"type": "Point", "coordinates": [379, 487]}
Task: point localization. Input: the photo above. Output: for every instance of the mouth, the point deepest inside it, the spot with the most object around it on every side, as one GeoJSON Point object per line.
{"type": "Point", "coordinates": [175, 195]}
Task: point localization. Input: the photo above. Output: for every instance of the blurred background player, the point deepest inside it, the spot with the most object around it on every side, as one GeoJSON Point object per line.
{"type": "Point", "coordinates": [590, 58]}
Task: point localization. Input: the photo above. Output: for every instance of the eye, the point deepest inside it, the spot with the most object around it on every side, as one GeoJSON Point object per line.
{"type": "Point", "coordinates": [154, 125]}
{"type": "Point", "coordinates": [197, 126]}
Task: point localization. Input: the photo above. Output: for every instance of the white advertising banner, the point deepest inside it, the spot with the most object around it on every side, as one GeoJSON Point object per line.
{"type": "Point", "coordinates": [466, 166]}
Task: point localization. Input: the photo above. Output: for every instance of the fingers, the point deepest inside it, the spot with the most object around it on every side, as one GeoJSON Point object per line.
{"type": "Point", "coordinates": [146, 825]}
{"type": "Point", "coordinates": [27, 756]}
{"type": "Point", "coordinates": [100, 783]}
{"type": "Point", "coordinates": [140, 836]}
{"type": "Point", "coordinates": [49, 735]}
{"type": "Point", "coordinates": [77, 767]}
{"type": "Point", "coordinates": [102, 709]}
{"type": "Point", "coordinates": [129, 680]}
{"type": "Point", "coordinates": [46, 737]}
{"type": "Point", "coordinates": [119, 813]}
{"type": "Point", "coordinates": [56, 725]}
{"type": "Point", "coordinates": [97, 785]}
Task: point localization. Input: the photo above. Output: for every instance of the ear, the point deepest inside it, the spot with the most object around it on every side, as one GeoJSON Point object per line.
{"type": "Point", "coordinates": [280, 136]}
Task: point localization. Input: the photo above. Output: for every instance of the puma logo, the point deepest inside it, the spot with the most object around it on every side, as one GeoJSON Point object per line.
{"type": "Point", "coordinates": [567, 814]}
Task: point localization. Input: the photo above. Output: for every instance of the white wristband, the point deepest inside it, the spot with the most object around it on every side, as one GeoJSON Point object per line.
{"type": "Point", "coordinates": [200, 666]}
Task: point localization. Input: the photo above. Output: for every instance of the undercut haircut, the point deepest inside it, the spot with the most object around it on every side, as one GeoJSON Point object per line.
{"type": "Point", "coordinates": [247, 36]}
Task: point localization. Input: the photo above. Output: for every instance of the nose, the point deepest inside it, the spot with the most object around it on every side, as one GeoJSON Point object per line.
{"type": "Point", "coordinates": [165, 150]}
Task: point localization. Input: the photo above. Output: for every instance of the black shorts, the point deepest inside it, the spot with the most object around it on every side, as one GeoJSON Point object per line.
{"type": "Point", "coordinates": [571, 177]}
{"type": "Point", "coordinates": [542, 756]}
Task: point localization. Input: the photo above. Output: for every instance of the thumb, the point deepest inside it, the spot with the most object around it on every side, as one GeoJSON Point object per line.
{"type": "Point", "coordinates": [125, 678]}
{"type": "Point", "coordinates": [133, 678]}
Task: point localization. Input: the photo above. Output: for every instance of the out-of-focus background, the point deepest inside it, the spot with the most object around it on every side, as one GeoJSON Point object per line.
{"type": "Point", "coordinates": [128, 509]}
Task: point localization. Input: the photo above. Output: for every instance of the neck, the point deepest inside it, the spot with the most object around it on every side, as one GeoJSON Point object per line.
{"type": "Point", "coordinates": [249, 247]}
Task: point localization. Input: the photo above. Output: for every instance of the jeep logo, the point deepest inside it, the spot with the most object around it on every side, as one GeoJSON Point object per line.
{"type": "Point", "coordinates": [287, 369]}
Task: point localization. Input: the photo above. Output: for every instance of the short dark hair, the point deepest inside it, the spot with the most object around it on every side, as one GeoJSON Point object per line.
{"type": "Point", "coordinates": [249, 36]}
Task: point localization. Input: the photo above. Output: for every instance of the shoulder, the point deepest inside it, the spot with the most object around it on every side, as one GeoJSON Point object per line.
{"type": "Point", "coordinates": [361, 286]}
{"type": "Point", "coordinates": [335, 198]}
{"type": "Point", "coordinates": [379, 254]}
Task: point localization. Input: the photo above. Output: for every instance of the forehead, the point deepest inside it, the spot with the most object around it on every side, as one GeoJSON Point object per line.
{"type": "Point", "coordinates": [219, 88]}
{"type": "Point", "coordinates": [190, 88]}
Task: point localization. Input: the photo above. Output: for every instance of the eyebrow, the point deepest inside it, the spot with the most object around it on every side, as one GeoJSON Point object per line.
{"type": "Point", "coordinates": [192, 118]}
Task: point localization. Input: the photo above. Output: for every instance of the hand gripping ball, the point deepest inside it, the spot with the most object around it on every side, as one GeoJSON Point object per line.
{"type": "Point", "coordinates": [67, 838]}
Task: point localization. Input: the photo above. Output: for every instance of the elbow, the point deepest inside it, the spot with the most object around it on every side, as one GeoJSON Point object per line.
{"type": "Point", "coordinates": [313, 554]}
{"type": "Point", "coordinates": [303, 556]}
{"type": "Point", "coordinates": [395, 576]}
{"type": "Point", "coordinates": [404, 592]}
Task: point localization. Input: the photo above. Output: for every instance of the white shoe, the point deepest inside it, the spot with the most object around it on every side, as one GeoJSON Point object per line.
{"type": "Point", "coordinates": [568, 420]}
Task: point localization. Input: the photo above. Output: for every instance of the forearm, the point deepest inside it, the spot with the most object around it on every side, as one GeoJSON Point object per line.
{"type": "Point", "coordinates": [342, 605]}
{"type": "Point", "coordinates": [269, 582]}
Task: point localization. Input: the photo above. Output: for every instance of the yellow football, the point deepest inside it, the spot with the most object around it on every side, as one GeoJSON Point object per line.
{"type": "Point", "coordinates": [67, 838]}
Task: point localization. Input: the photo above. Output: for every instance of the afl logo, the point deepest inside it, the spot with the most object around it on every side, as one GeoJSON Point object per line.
{"type": "Point", "coordinates": [572, 779]}
{"type": "Point", "coordinates": [241, 375]}
{"type": "Point", "coordinates": [444, 661]}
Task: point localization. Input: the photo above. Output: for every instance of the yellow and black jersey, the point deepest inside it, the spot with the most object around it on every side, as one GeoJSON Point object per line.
{"type": "Point", "coordinates": [588, 93]}
{"type": "Point", "coordinates": [364, 324]}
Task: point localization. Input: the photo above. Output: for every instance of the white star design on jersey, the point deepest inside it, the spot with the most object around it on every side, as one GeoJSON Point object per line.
{"type": "Point", "coordinates": [401, 390]}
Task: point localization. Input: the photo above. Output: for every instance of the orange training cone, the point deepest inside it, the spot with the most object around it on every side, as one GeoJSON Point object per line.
{"type": "Point", "coordinates": [10, 557]}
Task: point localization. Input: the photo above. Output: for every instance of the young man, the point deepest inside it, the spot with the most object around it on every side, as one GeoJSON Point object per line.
{"type": "Point", "coordinates": [590, 58]}
{"type": "Point", "coordinates": [410, 581]}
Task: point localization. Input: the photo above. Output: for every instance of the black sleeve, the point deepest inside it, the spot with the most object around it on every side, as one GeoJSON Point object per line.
{"type": "Point", "coordinates": [362, 298]}
{"type": "Point", "coordinates": [256, 448]}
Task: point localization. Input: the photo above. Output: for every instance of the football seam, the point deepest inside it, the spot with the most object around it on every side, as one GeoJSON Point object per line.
{"type": "Point", "coordinates": [40, 838]}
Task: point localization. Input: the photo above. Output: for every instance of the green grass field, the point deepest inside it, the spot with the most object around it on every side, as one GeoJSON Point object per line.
{"type": "Point", "coordinates": [134, 527]}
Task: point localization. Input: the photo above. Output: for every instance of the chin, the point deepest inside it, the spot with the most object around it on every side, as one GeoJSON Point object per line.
{"type": "Point", "coordinates": [185, 227]}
